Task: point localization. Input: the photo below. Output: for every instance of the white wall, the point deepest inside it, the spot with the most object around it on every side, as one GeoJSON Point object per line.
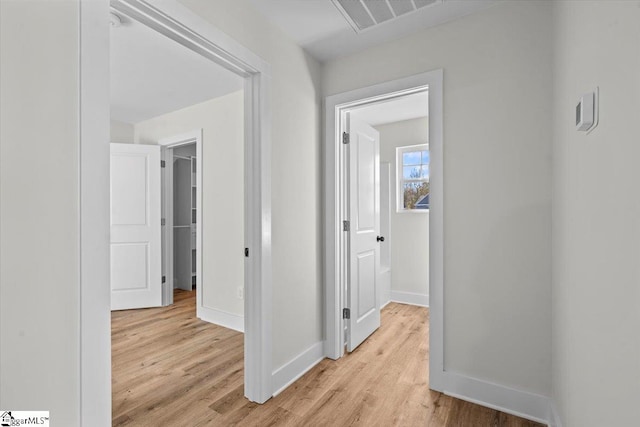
{"type": "Point", "coordinates": [596, 216]}
{"type": "Point", "coordinates": [409, 237]}
{"type": "Point", "coordinates": [497, 89]}
{"type": "Point", "coordinates": [39, 81]}
{"type": "Point", "coordinates": [222, 121]}
{"type": "Point", "coordinates": [121, 132]}
{"type": "Point", "coordinates": [497, 162]}
{"type": "Point", "coordinates": [39, 217]}
{"type": "Point", "coordinates": [296, 194]}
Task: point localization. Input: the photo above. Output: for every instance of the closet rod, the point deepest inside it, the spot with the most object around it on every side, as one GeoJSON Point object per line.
{"type": "Point", "coordinates": [181, 158]}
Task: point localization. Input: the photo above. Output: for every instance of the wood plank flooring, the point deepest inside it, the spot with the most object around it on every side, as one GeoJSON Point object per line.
{"type": "Point", "coordinates": [171, 369]}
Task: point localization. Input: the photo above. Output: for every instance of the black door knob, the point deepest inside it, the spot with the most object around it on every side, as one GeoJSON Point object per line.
{"type": "Point", "coordinates": [380, 239]}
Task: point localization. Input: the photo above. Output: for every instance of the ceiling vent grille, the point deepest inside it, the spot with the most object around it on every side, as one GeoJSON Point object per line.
{"type": "Point", "coordinates": [365, 14]}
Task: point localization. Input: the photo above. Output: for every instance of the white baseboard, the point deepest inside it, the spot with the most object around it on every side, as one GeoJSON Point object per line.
{"type": "Point", "coordinates": [221, 318]}
{"type": "Point", "coordinates": [523, 404]}
{"type": "Point", "coordinates": [285, 375]}
{"type": "Point", "coordinates": [410, 298]}
{"type": "Point", "coordinates": [554, 417]}
{"type": "Point", "coordinates": [384, 305]}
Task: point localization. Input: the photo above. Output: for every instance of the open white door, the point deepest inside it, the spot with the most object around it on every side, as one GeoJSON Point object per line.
{"type": "Point", "coordinates": [136, 267]}
{"type": "Point", "coordinates": [364, 229]}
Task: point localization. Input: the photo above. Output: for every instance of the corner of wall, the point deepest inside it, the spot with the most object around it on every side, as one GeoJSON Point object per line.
{"type": "Point", "coordinates": [291, 371]}
{"type": "Point", "coordinates": [520, 403]}
{"type": "Point", "coordinates": [412, 298]}
{"type": "Point", "coordinates": [554, 417]}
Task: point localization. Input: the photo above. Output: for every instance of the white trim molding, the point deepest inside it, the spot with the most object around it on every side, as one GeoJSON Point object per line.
{"type": "Point", "coordinates": [221, 318]}
{"type": "Point", "coordinates": [95, 286]}
{"type": "Point", "coordinates": [554, 417]}
{"type": "Point", "coordinates": [177, 22]}
{"type": "Point", "coordinates": [412, 298]}
{"type": "Point", "coordinates": [291, 371]}
{"type": "Point", "coordinates": [335, 106]}
{"type": "Point", "coordinates": [522, 404]}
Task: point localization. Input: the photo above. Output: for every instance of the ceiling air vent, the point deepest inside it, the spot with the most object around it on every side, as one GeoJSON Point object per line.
{"type": "Point", "coordinates": [365, 14]}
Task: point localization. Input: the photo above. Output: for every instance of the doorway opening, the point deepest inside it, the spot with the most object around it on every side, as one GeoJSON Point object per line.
{"type": "Point", "coordinates": [385, 256]}
{"type": "Point", "coordinates": [177, 196]}
{"type": "Point", "coordinates": [252, 255]}
{"type": "Point", "coordinates": [367, 193]}
{"type": "Point", "coordinates": [182, 236]}
{"type": "Point", "coordinates": [402, 127]}
{"type": "Point", "coordinates": [182, 204]}
{"type": "Point", "coordinates": [181, 25]}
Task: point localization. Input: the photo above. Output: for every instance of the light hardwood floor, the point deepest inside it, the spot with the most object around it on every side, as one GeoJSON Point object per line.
{"type": "Point", "coordinates": [171, 369]}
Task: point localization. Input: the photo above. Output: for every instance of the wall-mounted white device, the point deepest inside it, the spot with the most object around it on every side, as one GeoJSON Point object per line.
{"type": "Point", "coordinates": [587, 112]}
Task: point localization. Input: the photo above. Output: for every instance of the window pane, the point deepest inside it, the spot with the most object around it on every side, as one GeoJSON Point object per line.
{"type": "Point", "coordinates": [411, 172]}
{"type": "Point", "coordinates": [413, 192]}
{"type": "Point", "coordinates": [425, 157]}
{"type": "Point", "coordinates": [411, 158]}
{"type": "Point", "coordinates": [424, 171]}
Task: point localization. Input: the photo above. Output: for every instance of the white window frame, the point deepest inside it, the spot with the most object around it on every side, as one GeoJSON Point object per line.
{"type": "Point", "coordinates": [400, 180]}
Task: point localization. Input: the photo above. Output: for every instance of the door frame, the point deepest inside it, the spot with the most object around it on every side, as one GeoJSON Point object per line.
{"type": "Point", "coordinates": [182, 25]}
{"type": "Point", "coordinates": [171, 142]}
{"type": "Point", "coordinates": [336, 107]}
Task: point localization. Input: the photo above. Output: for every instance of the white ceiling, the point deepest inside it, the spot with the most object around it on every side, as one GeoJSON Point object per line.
{"type": "Point", "coordinates": [405, 107]}
{"type": "Point", "coordinates": [153, 75]}
{"type": "Point", "coordinates": [320, 28]}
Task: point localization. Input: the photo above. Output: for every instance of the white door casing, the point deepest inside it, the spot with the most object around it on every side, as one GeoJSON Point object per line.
{"type": "Point", "coordinates": [336, 107]}
{"type": "Point", "coordinates": [136, 249]}
{"type": "Point", "coordinates": [364, 228]}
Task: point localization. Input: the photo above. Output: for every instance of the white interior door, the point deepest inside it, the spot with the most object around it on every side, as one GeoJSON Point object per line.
{"type": "Point", "coordinates": [136, 267]}
{"type": "Point", "coordinates": [364, 231]}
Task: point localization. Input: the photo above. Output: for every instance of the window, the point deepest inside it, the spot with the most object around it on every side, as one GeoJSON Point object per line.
{"type": "Point", "coordinates": [413, 178]}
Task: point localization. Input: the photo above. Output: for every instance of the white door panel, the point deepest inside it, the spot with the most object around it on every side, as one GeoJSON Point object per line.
{"type": "Point", "coordinates": [366, 282]}
{"type": "Point", "coordinates": [364, 249]}
{"type": "Point", "coordinates": [136, 269]}
{"type": "Point", "coordinates": [132, 260]}
{"type": "Point", "coordinates": [129, 189]}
